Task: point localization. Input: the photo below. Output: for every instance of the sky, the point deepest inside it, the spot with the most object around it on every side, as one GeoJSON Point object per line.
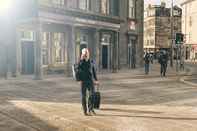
{"type": "Point", "coordinates": [157, 2]}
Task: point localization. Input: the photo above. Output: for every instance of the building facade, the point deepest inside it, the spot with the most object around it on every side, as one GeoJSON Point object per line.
{"type": "Point", "coordinates": [189, 25]}
{"type": "Point", "coordinates": [51, 33]}
{"type": "Point", "coordinates": [131, 33]}
{"type": "Point", "coordinates": [157, 26]}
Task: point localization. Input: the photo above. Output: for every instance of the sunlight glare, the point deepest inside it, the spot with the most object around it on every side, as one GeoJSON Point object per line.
{"type": "Point", "coordinates": [5, 6]}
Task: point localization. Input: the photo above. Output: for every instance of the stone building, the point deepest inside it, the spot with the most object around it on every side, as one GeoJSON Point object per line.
{"type": "Point", "coordinates": [189, 26]}
{"type": "Point", "coordinates": [51, 33]}
{"type": "Point", "coordinates": [131, 33]}
{"type": "Point", "coordinates": [157, 26]}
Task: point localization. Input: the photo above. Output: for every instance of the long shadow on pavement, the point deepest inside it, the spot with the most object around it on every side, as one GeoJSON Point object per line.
{"type": "Point", "coordinates": [13, 118]}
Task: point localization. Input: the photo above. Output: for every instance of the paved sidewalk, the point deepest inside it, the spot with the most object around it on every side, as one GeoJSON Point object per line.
{"type": "Point", "coordinates": [131, 101]}
{"type": "Point", "coordinates": [139, 73]}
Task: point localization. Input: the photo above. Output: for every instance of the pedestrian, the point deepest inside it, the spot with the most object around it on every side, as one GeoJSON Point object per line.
{"type": "Point", "coordinates": [163, 60]}
{"type": "Point", "coordinates": [151, 58]}
{"type": "Point", "coordinates": [146, 62]}
{"type": "Point", "coordinates": [87, 76]}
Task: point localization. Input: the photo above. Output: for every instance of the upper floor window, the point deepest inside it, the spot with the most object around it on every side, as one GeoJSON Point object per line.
{"type": "Point", "coordinates": [151, 12]}
{"type": "Point", "coordinates": [58, 2]}
{"type": "Point", "coordinates": [95, 5]}
{"type": "Point", "coordinates": [45, 47]}
{"type": "Point", "coordinates": [114, 7]}
{"type": "Point", "coordinates": [72, 3]}
{"type": "Point", "coordinates": [44, 2]}
{"type": "Point", "coordinates": [106, 38]}
{"type": "Point", "coordinates": [131, 9]}
{"type": "Point", "coordinates": [84, 4]}
{"type": "Point", "coordinates": [27, 35]}
{"type": "Point", "coordinates": [59, 48]}
{"type": "Point", "coordinates": [105, 7]}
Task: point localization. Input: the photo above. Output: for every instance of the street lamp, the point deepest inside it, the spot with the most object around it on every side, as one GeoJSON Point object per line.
{"type": "Point", "coordinates": [172, 33]}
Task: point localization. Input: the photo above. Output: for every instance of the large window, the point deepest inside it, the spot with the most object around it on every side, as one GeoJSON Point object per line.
{"type": "Point", "coordinates": [44, 2]}
{"type": "Point", "coordinates": [45, 47]}
{"type": "Point", "coordinates": [131, 9]}
{"type": "Point", "coordinates": [59, 48]}
{"type": "Point", "coordinates": [72, 3]}
{"type": "Point", "coordinates": [106, 39]}
{"type": "Point", "coordinates": [84, 4]}
{"type": "Point", "coordinates": [95, 5]}
{"type": "Point", "coordinates": [27, 35]}
{"type": "Point", "coordinates": [105, 7]}
{"type": "Point", "coordinates": [58, 2]}
{"type": "Point", "coordinates": [114, 7]}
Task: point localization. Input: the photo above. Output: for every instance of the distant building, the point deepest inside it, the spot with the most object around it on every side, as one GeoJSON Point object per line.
{"type": "Point", "coordinates": [157, 26]}
{"type": "Point", "coordinates": [189, 28]}
{"type": "Point", "coordinates": [51, 33]}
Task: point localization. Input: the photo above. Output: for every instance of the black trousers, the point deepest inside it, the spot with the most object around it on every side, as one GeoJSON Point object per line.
{"type": "Point", "coordinates": [87, 85]}
{"type": "Point", "coordinates": [163, 69]}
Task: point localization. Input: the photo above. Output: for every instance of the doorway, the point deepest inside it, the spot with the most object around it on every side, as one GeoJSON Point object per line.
{"type": "Point", "coordinates": [132, 53]}
{"type": "Point", "coordinates": [105, 54]}
{"type": "Point", "coordinates": [27, 57]}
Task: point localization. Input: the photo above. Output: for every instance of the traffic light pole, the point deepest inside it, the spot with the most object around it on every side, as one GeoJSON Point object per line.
{"type": "Point", "coordinates": [172, 34]}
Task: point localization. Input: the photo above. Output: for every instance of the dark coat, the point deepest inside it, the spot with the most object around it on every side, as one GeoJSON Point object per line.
{"type": "Point", "coordinates": [87, 71]}
{"type": "Point", "coordinates": [163, 58]}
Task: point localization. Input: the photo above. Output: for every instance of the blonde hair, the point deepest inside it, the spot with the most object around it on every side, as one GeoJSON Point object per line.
{"type": "Point", "coordinates": [85, 54]}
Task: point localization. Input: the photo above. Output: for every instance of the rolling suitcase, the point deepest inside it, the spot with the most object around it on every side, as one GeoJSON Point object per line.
{"type": "Point", "coordinates": [97, 99]}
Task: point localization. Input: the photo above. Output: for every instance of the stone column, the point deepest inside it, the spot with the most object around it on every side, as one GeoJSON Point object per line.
{"type": "Point", "coordinates": [100, 51]}
{"type": "Point", "coordinates": [140, 31]}
{"type": "Point", "coordinates": [123, 50]}
{"type": "Point", "coordinates": [97, 48]}
{"type": "Point", "coordinates": [38, 71]}
{"type": "Point", "coordinates": [71, 50]}
{"type": "Point", "coordinates": [18, 53]}
{"type": "Point", "coordinates": [118, 51]}
{"type": "Point", "coordinates": [115, 52]}
{"type": "Point", "coordinates": [3, 61]}
{"type": "Point", "coordinates": [50, 48]}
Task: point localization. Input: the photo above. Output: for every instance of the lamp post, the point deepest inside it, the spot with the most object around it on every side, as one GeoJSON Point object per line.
{"type": "Point", "coordinates": [172, 33]}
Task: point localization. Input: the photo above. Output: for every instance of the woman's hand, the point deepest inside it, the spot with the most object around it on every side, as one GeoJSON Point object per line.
{"type": "Point", "coordinates": [80, 82]}
{"type": "Point", "coordinates": [96, 82]}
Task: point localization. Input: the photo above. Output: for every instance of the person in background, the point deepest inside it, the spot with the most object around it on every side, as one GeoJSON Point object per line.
{"type": "Point", "coordinates": [146, 62]}
{"type": "Point", "coordinates": [163, 60]}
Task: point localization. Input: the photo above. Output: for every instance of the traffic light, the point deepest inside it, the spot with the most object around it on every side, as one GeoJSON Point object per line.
{"type": "Point", "coordinates": [179, 38]}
